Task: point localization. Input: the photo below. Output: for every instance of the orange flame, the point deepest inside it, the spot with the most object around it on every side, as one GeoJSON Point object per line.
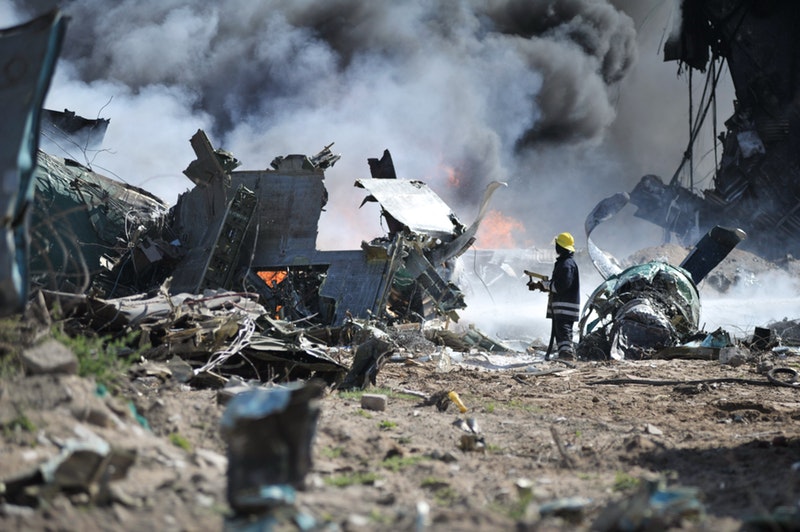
{"type": "Point", "coordinates": [497, 231]}
{"type": "Point", "coordinates": [453, 179]}
{"type": "Point", "coordinates": [272, 278]}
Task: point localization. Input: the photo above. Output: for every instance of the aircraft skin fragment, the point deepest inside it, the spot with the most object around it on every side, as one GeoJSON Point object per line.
{"type": "Point", "coordinates": [414, 205]}
{"type": "Point", "coordinates": [28, 54]}
{"type": "Point", "coordinates": [66, 127]}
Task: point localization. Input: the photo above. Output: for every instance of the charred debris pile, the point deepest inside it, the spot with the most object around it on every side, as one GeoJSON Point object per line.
{"type": "Point", "coordinates": [230, 280]}
{"type": "Point", "coordinates": [229, 283]}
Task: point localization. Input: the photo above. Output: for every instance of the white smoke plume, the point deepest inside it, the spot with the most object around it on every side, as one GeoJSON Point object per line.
{"type": "Point", "coordinates": [461, 92]}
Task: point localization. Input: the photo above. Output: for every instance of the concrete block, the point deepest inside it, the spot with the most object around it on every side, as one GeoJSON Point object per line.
{"type": "Point", "coordinates": [373, 401]}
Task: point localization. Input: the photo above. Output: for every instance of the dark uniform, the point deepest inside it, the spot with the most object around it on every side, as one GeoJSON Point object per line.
{"type": "Point", "coordinates": [563, 303]}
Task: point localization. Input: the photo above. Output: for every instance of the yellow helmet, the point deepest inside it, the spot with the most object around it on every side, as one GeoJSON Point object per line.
{"type": "Point", "coordinates": [566, 241]}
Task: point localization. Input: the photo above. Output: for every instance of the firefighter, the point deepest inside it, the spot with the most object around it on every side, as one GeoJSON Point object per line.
{"type": "Point", "coordinates": [563, 297]}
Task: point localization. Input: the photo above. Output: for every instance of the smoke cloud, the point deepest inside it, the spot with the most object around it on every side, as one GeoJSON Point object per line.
{"type": "Point", "coordinates": [461, 92]}
{"type": "Point", "coordinates": [567, 101]}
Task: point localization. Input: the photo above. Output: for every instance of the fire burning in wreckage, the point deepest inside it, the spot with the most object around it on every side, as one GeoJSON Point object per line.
{"type": "Point", "coordinates": [251, 231]}
{"type": "Point", "coordinates": [109, 248]}
{"type": "Point", "coordinates": [254, 232]}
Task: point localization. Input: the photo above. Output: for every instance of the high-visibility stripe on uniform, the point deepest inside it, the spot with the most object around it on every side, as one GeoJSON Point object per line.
{"type": "Point", "coordinates": [565, 309]}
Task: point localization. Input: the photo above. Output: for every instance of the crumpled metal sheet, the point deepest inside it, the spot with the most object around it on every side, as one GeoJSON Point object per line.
{"type": "Point", "coordinates": [606, 209]}
{"type": "Point", "coordinates": [86, 227]}
{"type": "Point", "coordinates": [219, 331]}
{"type": "Point", "coordinates": [647, 306]}
{"type": "Point", "coordinates": [639, 328]}
{"type": "Point", "coordinates": [28, 54]}
{"type": "Point", "coordinates": [414, 205]}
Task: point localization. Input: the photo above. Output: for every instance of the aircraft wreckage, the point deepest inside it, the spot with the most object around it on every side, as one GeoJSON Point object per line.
{"type": "Point", "coordinates": [233, 265]}
{"type": "Point", "coordinates": [250, 231]}
{"type": "Point", "coordinates": [647, 307]}
{"type": "Point", "coordinates": [756, 184]}
{"type": "Point", "coordinates": [105, 246]}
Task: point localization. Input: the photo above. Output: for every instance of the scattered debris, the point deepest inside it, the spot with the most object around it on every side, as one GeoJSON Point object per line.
{"type": "Point", "coordinates": [473, 440]}
{"type": "Point", "coordinates": [453, 396]}
{"type": "Point", "coordinates": [442, 399]}
{"type": "Point", "coordinates": [373, 401]}
{"type": "Point", "coordinates": [571, 509]}
{"type": "Point", "coordinates": [269, 435]}
{"type": "Point", "coordinates": [653, 506]}
{"type": "Point", "coordinates": [734, 355]}
{"type": "Point", "coordinates": [86, 465]}
{"type": "Point", "coordinates": [214, 332]}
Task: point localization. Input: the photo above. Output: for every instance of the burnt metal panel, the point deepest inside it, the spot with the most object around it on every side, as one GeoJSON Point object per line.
{"type": "Point", "coordinates": [382, 168]}
{"type": "Point", "coordinates": [213, 262]}
{"type": "Point", "coordinates": [358, 282]}
{"type": "Point", "coordinates": [84, 133]}
{"type": "Point", "coordinates": [414, 205]}
{"type": "Point", "coordinates": [224, 258]}
{"type": "Point", "coordinates": [208, 166]}
{"type": "Point", "coordinates": [711, 250]}
{"type": "Point", "coordinates": [287, 219]}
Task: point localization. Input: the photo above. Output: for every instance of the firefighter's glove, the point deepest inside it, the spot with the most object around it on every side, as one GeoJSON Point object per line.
{"type": "Point", "coordinates": [535, 285]}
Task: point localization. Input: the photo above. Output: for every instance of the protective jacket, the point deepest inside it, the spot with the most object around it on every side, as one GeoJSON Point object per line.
{"type": "Point", "coordinates": [564, 289]}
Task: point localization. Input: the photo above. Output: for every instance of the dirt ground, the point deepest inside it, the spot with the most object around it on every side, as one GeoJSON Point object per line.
{"type": "Point", "coordinates": [666, 444]}
{"type": "Point", "coordinates": [554, 451]}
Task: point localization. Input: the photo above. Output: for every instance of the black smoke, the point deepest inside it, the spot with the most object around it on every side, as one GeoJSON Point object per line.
{"type": "Point", "coordinates": [510, 90]}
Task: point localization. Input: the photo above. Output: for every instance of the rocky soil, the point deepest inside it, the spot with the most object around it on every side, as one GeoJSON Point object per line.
{"type": "Point", "coordinates": [556, 449]}
{"type": "Point", "coordinates": [682, 444]}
